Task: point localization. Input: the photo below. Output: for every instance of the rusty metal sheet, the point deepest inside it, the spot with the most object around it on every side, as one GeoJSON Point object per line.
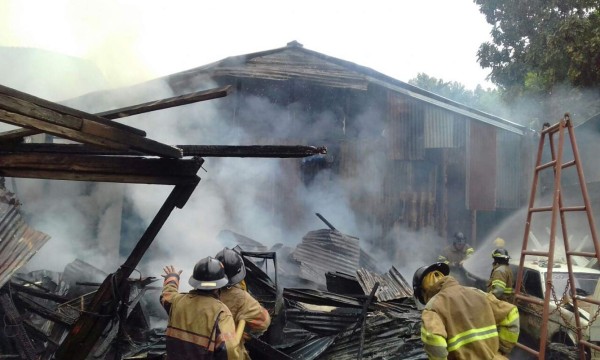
{"type": "Point", "coordinates": [18, 241]}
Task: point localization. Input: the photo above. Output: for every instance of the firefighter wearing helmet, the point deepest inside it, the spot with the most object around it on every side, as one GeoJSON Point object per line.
{"type": "Point", "coordinates": [200, 325]}
{"type": "Point", "coordinates": [449, 328]}
{"type": "Point", "coordinates": [501, 278]}
{"type": "Point", "coordinates": [241, 304]}
{"type": "Point", "coordinates": [455, 254]}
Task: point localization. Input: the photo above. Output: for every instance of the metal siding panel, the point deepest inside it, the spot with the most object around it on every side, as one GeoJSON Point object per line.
{"type": "Point", "coordinates": [509, 171]}
{"type": "Point", "coordinates": [18, 241]}
{"type": "Point", "coordinates": [439, 128]}
{"type": "Point", "coordinates": [481, 174]}
{"type": "Point", "coordinates": [405, 129]}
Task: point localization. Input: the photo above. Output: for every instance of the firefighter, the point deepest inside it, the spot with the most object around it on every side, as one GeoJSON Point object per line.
{"type": "Point", "coordinates": [454, 256]}
{"type": "Point", "coordinates": [200, 325]}
{"type": "Point", "coordinates": [242, 305]}
{"type": "Point", "coordinates": [501, 277]}
{"type": "Point", "coordinates": [460, 322]}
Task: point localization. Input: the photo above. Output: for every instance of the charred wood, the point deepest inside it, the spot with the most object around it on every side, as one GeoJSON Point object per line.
{"type": "Point", "coordinates": [24, 344]}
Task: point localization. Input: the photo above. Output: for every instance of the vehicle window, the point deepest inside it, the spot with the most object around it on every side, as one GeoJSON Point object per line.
{"type": "Point", "coordinates": [585, 284]}
{"type": "Point", "coordinates": [532, 283]}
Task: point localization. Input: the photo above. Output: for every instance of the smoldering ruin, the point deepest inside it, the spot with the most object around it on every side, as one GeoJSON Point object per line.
{"type": "Point", "coordinates": [390, 171]}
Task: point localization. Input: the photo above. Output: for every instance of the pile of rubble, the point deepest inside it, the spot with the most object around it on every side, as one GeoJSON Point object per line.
{"type": "Point", "coordinates": [347, 309]}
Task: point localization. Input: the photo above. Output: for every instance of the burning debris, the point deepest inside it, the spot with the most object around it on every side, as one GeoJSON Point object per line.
{"type": "Point", "coordinates": [368, 313]}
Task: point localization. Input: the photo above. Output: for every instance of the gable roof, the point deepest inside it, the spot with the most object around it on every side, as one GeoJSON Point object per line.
{"type": "Point", "coordinates": [296, 62]}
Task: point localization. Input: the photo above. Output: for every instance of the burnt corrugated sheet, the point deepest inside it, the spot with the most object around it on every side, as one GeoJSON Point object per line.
{"type": "Point", "coordinates": [18, 241]}
{"type": "Point", "coordinates": [386, 337]}
{"type": "Point", "coordinates": [509, 172]}
{"type": "Point", "coordinates": [392, 284]}
{"type": "Point", "coordinates": [405, 128]}
{"type": "Point", "coordinates": [325, 250]}
{"type": "Point", "coordinates": [481, 167]}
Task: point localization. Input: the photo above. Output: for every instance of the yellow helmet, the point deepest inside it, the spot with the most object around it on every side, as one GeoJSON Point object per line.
{"type": "Point", "coordinates": [425, 277]}
{"type": "Point", "coordinates": [499, 242]}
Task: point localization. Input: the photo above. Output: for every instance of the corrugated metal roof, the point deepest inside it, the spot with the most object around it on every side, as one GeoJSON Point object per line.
{"type": "Point", "coordinates": [392, 284]}
{"type": "Point", "coordinates": [18, 241]}
{"type": "Point", "coordinates": [294, 61]}
{"type": "Point", "coordinates": [325, 250]}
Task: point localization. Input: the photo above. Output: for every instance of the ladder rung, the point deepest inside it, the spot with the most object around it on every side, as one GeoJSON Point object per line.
{"type": "Point", "coordinates": [546, 165]}
{"type": "Point", "coordinates": [529, 299]}
{"type": "Point", "coordinates": [590, 345]}
{"type": "Point", "coordinates": [581, 253]}
{"type": "Point", "coordinates": [551, 129]}
{"type": "Point", "coordinates": [535, 253]}
{"type": "Point", "coordinates": [588, 300]}
{"type": "Point", "coordinates": [528, 349]}
{"type": "Point", "coordinates": [540, 209]}
{"type": "Point", "coordinates": [573, 208]}
{"type": "Point", "coordinates": [569, 163]}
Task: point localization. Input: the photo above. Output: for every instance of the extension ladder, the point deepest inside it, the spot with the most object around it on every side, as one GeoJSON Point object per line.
{"type": "Point", "coordinates": [558, 210]}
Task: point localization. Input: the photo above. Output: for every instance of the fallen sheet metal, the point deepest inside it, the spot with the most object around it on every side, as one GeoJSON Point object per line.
{"type": "Point", "coordinates": [18, 241]}
{"type": "Point", "coordinates": [392, 284]}
{"type": "Point", "coordinates": [326, 250]}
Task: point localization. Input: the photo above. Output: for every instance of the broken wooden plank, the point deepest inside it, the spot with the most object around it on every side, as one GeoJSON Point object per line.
{"type": "Point", "coordinates": [254, 151]}
{"type": "Point", "coordinates": [167, 103]}
{"type": "Point", "coordinates": [135, 110]}
{"type": "Point", "coordinates": [85, 131]}
{"type": "Point", "coordinates": [138, 170]}
{"type": "Point", "coordinates": [6, 92]}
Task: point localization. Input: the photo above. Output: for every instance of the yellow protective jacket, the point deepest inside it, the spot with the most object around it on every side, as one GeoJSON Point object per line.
{"type": "Point", "coordinates": [244, 307]}
{"type": "Point", "coordinates": [501, 282]}
{"type": "Point", "coordinates": [200, 325]}
{"type": "Point", "coordinates": [466, 323]}
{"type": "Point", "coordinates": [451, 256]}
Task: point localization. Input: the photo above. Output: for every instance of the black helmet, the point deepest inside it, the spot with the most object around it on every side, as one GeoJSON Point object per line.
{"type": "Point", "coordinates": [209, 274]}
{"type": "Point", "coordinates": [459, 238]}
{"type": "Point", "coordinates": [500, 253]}
{"type": "Point", "coordinates": [234, 265]}
{"type": "Point", "coordinates": [420, 274]}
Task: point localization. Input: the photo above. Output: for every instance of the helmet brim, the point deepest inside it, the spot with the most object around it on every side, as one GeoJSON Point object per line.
{"type": "Point", "coordinates": [208, 285]}
{"type": "Point", "coordinates": [238, 277]}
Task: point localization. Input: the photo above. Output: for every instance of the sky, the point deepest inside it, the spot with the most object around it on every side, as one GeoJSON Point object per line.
{"type": "Point", "coordinates": [133, 41]}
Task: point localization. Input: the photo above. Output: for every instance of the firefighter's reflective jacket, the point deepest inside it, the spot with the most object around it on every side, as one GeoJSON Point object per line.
{"type": "Point", "coordinates": [501, 282]}
{"type": "Point", "coordinates": [200, 326]}
{"type": "Point", "coordinates": [244, 307]}
{"type": "Point", "coordinates": [452, 256]}
{"type": "Point", "coordinates": [466, 323]}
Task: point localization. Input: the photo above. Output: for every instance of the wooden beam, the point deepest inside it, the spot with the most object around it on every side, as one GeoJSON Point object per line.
{"type": "Point", "coordinates": [167, 103]}
{"type": "Point", "coordinates": [135, 110]}
{"type": "Point", "coordinates": [78, 128]}
{"type": "Point", "coordinates": [8, 93]}
{"type": "Point", "coordinates": [255, 151]}
{"type": "Point", "coordinates": [137, 170]}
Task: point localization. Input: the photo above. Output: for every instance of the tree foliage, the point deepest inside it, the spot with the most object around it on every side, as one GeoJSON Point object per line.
{"type": "Point", "coordinates": [538, 44]}
{"type": "Point", "coordinates": [487, 100]}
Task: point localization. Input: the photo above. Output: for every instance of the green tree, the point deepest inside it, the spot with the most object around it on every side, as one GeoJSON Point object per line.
{"type": "Point", "coordinates": [544, 48]}
{"type": "Point", "coordinates": [488, 100]}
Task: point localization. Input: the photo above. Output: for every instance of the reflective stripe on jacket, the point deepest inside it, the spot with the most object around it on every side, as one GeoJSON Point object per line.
{"type": "Point", "coordinates": [244, 307]}
{"type": "Point", "coordinates": [200, 326]}
{"type": "Point", "coordinates": [465, 323]}
{"type": "Point", "coordinates": [501, 282]}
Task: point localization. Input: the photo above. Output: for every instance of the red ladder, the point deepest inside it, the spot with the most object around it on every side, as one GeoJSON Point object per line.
{"type": "Point", "coordinates": [557, 209]}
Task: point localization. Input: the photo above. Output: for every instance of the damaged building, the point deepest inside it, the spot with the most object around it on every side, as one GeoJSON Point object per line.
{"type": "Point", "coordinates": [401, 159]}
{"type": "Point", "coordinates": [386, 158]}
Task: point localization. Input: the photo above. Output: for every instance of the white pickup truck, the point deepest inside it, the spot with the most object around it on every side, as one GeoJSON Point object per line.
{"type": "Point", "coordinates": [561, 325]}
